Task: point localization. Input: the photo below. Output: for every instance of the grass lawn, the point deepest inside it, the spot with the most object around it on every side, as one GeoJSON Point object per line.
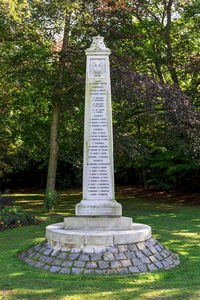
{"type": "Point", "coordinates": [175, 225]}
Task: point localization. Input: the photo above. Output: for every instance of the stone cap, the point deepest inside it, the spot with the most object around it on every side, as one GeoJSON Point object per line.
{"type": "Point", "coordinates": [97, 47]}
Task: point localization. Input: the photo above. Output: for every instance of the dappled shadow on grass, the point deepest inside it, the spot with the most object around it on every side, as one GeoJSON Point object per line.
{"type": "Point", "coordinates": [177, 227]}
{"type": "Point", "coordinates": [148, 286]}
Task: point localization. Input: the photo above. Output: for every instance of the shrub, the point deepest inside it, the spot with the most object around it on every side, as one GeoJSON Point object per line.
{"type": "Point", "coordinates": [50, 199]}
{"type": "Point", "coordinates": [11, 217]}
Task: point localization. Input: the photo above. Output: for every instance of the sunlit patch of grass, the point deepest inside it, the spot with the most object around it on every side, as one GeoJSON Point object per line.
{"type": "Point", "coordinates": [177, 227]}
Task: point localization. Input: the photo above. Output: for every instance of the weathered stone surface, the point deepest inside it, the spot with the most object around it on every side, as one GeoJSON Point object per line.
{"type": "Point", "coordinates": [131, 254]}
{"type": "Point", "coordinates": [161, 246]}
{"type": "Point", "coordinates": [145, 260]}
{"type": "Point", "coordinates": [120, 256]}
{"type": "Point", "coordinates": [142, 268]}
{"type": "Point", "coordinates": [159, 265]}
{"type": "Point", "coordinates": [67, 263]}
{"type": "Point", "coordinates": [133, 270]}
{"type": "Point", "coordinates": [95, 257]}
{"type": "Point", "coordinates": [123, 248]}
{"type": "Point", "coordinates": [153, 258]}
{"type": "Point", "coordinates": [72, 256]}
{"type": "Point", "coordinates": [88, 250]}
{"type": "Point", "coordinates": [123, 271]}
{"type": "Point", "coordinates": [42, 258]}
{"type": "Point", "coordinates": [165, 264]}
{"type": "Point", "coordinates": [48, 251]}
{"type": "Point", "coordinates": [113, 249]}
{"type": "Point", "coordinates": [167, 252]}
{"type": "Point", "coordinates": [163, 254]}
{"type": "Point", "coordinates": [100, 271]}
{"type": "Point", "coordinates": [31, 255]}
{"type": "Point", "coordinates": [126, 262]}
{"type": "Point", "coordinates": [27, 260]}
{"type": "Point", "coordinates": [77, 271]}
{"type": "Point", "coordinates": [42, 249]}
{"type": "Point", "coordinates": [55, 253]}
{"type": "Point", "coordinates": [75, 250]}
{"type": "Point", "coordinates": [103, 264]}
{"type": "Point", "coordinates": [89, 271]}
{"type": "Point", "coordinates": [65, 271]}
{"type": "Point", "coordinates": [132, 247]}
{"type": "Point", "coordinates": [108, 256]}
{"type": "Point", "coordinates": [158, 248]}
{"type": "Point", "coordinates": [141, 245]}
{"type": "Point", "coordinates": [99, 249]}
{"type": "Point", "coordinates": [158, 256]}
{"type": "Point", "coordinates": [79, 264]}
{"type": "Point", "coordinates": [136, 261]}
{"type": "Point", "coordinates": [115, 264]}
{"type": "Point", "coordinates": [54, 269]}
{"type": "Point", "coordinates": [84, 257]}
{"type": "Point", "coordinates": [62, 255]}
{"type": "Point", "coordinates": [153, 241]}
{"type": "Point", "coordinates": [169, 260]}
{"type": "Point", "coordinates": [36, 255]}
{"type": "Point", "coordinates": [139, 254]}
{"type": "Point", "coordinates": [32, 263]}
{"type": "Point", "coordinates": [91, 265]}
{"type": "Point", "coordinates": [146, 252]}
{"type": "Point", "coordinates": [153, 250]}
{"type": "Point", "coordinates": [39, 265]}
{"type": "Point", "coordinates": [57, 262]}
{"type": "Point", "coordinates": [49, 260]}
{"type": "Point", "coordinates": [152, 267]}
{"type": "Point", "coordinates": [46, 267]}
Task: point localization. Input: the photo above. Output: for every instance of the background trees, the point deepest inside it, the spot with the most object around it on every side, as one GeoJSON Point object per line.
{"type": "Point", "coordinates": [155, 86]}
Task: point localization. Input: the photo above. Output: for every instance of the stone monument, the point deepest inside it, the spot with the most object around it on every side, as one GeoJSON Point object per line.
{"type": "Point", "coordinates": [99, 239]}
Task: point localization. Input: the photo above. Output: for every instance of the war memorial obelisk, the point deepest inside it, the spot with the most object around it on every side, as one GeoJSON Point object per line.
{"type": "Point", "coordinates": [98, 239]}
{"type": "Point", "coordinates": [98, 170]}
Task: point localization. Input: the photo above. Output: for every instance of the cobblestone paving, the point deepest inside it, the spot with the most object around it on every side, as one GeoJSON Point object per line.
{"type": "Point", "coordinates": [141, 257]}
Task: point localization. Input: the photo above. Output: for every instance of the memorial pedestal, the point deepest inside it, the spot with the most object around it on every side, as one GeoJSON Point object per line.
{"type": "Point", "coordinates": [98, 208]}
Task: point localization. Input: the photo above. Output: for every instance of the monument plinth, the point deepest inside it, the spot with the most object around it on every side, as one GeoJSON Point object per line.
{"type": "Point", "coordinates": [98, 239]}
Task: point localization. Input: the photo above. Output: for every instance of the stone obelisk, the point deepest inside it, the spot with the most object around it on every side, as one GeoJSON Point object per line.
{"type": "Point", "coordinates": [98, 171]}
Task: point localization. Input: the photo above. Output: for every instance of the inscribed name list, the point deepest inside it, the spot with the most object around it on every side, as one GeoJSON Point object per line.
{"type": "Point", "coordinates": [98, 145]}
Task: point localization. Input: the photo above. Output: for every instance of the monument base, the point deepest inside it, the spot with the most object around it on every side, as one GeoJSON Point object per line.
{"type": "Point", "coordinates": [70, 251]}
{"type": "Point", "coordinates": [98, 208]}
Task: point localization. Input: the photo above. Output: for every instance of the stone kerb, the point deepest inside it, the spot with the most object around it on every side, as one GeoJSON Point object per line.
{"type": "Point", "coordinates": [56, 234]}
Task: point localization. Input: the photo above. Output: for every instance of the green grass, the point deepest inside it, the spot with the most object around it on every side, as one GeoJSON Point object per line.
{"type": "Point", "coordinates": [175, 225]}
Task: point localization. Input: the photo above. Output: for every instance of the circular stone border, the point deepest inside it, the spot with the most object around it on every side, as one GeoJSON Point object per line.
{"type": "Point", "coordinates": [141, 257]}
{"type": "Point", "coordinates": [56, 234]}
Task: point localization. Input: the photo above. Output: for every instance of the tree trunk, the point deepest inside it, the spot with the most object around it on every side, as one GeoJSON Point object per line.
{"type": "Point", "coordinates": [159, 72]}
{"type": "Point", "coordinates": [54, 148]}
{"type": "Point", "coordinates": [170, 59]}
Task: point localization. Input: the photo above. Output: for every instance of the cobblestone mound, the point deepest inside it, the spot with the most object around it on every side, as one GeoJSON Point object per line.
{"type": "Point", "coordinates": [139, 257]}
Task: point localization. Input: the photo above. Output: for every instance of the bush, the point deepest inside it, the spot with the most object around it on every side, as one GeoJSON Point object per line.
{"type": "Point", "coordinates": [11, 217]}
{"type": "Point", "coordinates": [50, 199]}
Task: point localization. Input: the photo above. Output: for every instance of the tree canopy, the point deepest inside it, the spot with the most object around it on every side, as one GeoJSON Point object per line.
{"type": "Point", "coordinates": [155, 65]}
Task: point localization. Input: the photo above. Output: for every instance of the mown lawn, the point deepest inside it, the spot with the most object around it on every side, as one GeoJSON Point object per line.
{"type": "Point", "coordinates": [174, 224]}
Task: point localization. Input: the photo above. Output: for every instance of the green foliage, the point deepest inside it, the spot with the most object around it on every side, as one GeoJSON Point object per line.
{"type": "Point", "coordinates": [6, 211]}
{"type": "Point", "coordinates": [166, 170]}
{"type": "Point", "coordinates": [140, 40]}
{"type": "Point", "coordinates": [50, 198]}
{"type": "Point", "coordinates": [11, 217]}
